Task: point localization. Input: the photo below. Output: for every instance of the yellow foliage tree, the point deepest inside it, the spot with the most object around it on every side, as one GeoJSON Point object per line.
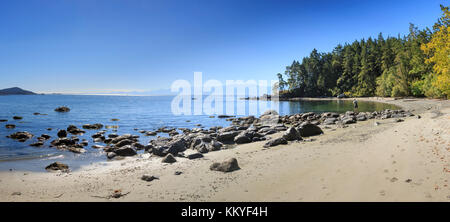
{"type": "Point", "coordinates": [438, 52]}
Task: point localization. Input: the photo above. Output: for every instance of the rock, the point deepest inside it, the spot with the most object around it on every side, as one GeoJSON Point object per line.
{"type": "Point", "coordinates": [418, 117]}
{"type": "Point", "coordinates": [194, 156]}
{"type": "Point", "coordinates": [398, 120]}
{"type": "Point", "coordinates": [178, 173]}
{"type": "Point", "coordinates": [63, 141]}
{"type": "Point", "coordinates": [224, 116]}
{"type": "Point", "coordinates": [151, 133]}
{"type": "Point", "coordinates": [227, 136]}
{"type": "Point", "coordinates": [74, 130]}
{"type": "Point", "coordinates": [62, 133]}
{"type": "Point", "coordinates": [169, 159]}
{"type": "Point", "coordinates": [149, 178]}
{"type": "Point", "coordinates": [37, 144]}
{"type": "Point", "coordinates": [111, 155]}
{"type": "Point", "coordinates": [95, 126]}
{"type": "Point", "coordinates": [242, 138]}
{"type": "Point", "coordinates": [3, 120]}
{"type": "Point", "coordinates": [98, 147]}
{"type": "Point", "coordinates": [348, 120]}
{"type": "Point", "coordinates": [57, 166]}
{"type": "Point", "coordinates": [275, 142]}
{"type": "Point", "coordinates": [125, 151]}
{"type": "Point", "coordinates": [308, 129]}
{"type": "Point", "coordinates": [124, 143]}
{"type": "Point", "coordinates": [21, 136]}
{"type": "Point", "coordinates": [17, 117]}
{"type": "Point", "coordinates": [62, 109]}
{"type": "Point", "coordinates": [10, 126]}
{"type": "Point", "coordinates": [292, 134]}
{"type": "Point", "coordinates": [16, 194]}
{"type": "Point", "coordinates": [114, 120]}
{"type": "Point", "coordinates": [226, 166]}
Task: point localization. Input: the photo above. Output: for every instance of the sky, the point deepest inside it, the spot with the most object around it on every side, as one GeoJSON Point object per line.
{"type": "Point", "coordinates": [103, 46]}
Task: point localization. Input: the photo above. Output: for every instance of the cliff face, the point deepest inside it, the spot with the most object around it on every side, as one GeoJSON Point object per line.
{"type": "Point", "coordinates": [15, 91]}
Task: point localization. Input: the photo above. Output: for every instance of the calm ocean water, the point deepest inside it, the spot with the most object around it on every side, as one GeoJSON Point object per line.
{"type": "Point", "coordinates": [141, 112]}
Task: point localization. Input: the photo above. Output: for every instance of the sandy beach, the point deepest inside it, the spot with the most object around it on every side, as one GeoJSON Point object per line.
{"type": "Point", "coordinates": [388, 161]}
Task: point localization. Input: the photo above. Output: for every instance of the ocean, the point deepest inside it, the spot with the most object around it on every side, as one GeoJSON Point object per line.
{"type": "Point", "coordinates": [133, 112]}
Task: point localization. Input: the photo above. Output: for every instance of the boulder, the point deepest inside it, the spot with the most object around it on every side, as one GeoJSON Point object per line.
{"type": "Point", "coordinates": [309, 129]}
{"type": "Point", "coordinates": [169, 159]}
{"type": "Point", "coordinates": [125, 151]}
{"type": "Point", "coordinates": [227, 136]}
{"type": "Point", "coordinates": [275, 142]}
{"type": "Point", "coordinates": [95, 126]}
{"type": "Point", "coordinates": [226, 166]}
{"type": "Point", "coordinates": [62, 133]}
{"type": "Point", "coordinates": [292, 134]}
{"type": "Point", "coordinates": [62, 109]}
{"type": "Point", "coordinates": [194, 156]}
{"type": "Point", "coordinates": [57, 166]}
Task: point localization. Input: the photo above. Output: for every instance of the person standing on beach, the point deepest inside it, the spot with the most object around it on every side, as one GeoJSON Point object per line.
{"type": "Point", "coordinates": [355, 104]}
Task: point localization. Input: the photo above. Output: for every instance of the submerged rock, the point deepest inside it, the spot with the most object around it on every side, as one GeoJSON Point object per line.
{"type": "Point", "coordinates": [10, 126]}
{"type": "Point", "coordinates": [62, 133]}
{"type": "Point", "coordinates": [93, 126]}
{"type": "Point", "coordinates": [17, 117]}
{"type": "Point", "coordinates": [21, 136]}
{"type": "Point", "coordinates": [309, 129]}
{"type": "Point", "coordinates": [57, 166]}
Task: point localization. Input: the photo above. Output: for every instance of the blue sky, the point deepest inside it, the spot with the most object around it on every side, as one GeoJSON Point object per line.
{"type": "Point", "coordinates": [90, 46]}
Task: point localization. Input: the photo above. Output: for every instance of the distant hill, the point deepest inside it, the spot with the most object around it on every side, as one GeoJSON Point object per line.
{"type": "Point", "coordinates": [15, 91]}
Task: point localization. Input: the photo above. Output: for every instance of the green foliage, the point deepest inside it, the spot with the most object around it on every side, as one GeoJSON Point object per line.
{"type": "Point", "coordinates": [395, 66]}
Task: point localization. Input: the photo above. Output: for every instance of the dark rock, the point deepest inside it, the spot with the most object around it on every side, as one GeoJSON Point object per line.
{"type": "Point", "coordinates": [57, 166]}
{"type": "Point", "coordinates": [308, 129]}
{"type": "Point", "coordinates": [3, 120]}
{"type": "Point", "coordinates": [17, 117]}
{"type": "Point", "coordinates": [149, 178]}
{"type": "Point", "coordinates": [226, 166]}
{"type": "Point", "coordinates": [62, 133]}
{"type": "Point", "coordinates": [21, 136]}
{"type": "Point", "coordinates": [111, 155]}
{"type": "Point", "coordinates": [275, 142]}
{"type": "Point", "coordinates": [95, 126]}
{"type": "Point", "coordinates": [348, 120]}
{"type": "Point", "coordinates": [10, 126]}
{"type": "Point", "coordinates": [169, 159]}
{"type": "Point", "coordinates": [62, 109]}
{"type": "Point", "coordinates": [37, 144]}
{"type": "Point", "coordinates": [125, 151]}
{"type": "Point", "coordinates": [292, 134]}
{"type": "Point", "coordinates": [124, 143]}
{"type": "Point", "coordinates": [227, 136]}
{"type": "Point", "coordinates": [178, 173]}
{"type": "Point", "coordinates": [194, 156]}
{"type": "Point", "coordinates": [242, 138]}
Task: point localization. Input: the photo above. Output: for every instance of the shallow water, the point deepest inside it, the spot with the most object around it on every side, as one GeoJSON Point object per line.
{"type": "Point", "coordinates": [143, 113]}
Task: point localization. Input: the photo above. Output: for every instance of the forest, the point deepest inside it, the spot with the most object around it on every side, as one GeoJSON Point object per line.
{"type": "Point", "coordinates": [416, 65]}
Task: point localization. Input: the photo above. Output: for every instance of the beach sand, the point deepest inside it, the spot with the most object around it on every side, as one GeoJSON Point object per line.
{"type": "Point", "coordinates": [391, 161]}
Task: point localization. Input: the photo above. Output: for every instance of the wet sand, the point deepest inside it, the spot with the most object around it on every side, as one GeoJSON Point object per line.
{"type": "Point", "coordinates": [390, 161]}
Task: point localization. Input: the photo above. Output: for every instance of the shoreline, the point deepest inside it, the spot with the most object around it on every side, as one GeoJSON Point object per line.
{"type": "Point", "coordinates": [317, 170]}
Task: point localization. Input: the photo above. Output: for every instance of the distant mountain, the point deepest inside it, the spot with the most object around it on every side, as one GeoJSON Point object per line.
{"type": "Point", "coordinates": [15, 91]}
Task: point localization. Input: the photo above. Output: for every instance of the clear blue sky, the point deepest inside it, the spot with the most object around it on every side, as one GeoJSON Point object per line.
{"type": "Point", "coordinates": [104, 45]}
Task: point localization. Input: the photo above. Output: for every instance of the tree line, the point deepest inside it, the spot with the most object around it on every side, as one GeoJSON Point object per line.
{"type": "Point", "coordinates": [416, 64]}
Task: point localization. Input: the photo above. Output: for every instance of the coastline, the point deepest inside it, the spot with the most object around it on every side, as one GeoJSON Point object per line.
{"type": "Point", "coordinates": [362, 162]}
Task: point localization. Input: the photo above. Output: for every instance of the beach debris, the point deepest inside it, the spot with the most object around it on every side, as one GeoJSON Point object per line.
{"type": "Point", "coordinates": [62, 133]}
{"type": "Point", "coordinates": [17, 117]}
{"type": "Point", "coordinates": [10, 126]}
{"type": "Point", "coordinates": [62, 109]}
{"type": "Point", "coordinates": [291, 134]}
{"type": "Point", "coordinates": [148, 178]}
{"type": "Point", "coordinates": [178, 173]}
{"type": "Point", "coordinates": [309, 129]}
{"type": "Point", "coordinates": [393, 179]}
{"type": "Point", "coordinates": [275, 142]}
{"type": "Point", "coordinates": [169, 159]}
{"type": "Point", "coordinates": [408, 180]}
{"type": "Point", "coordinates": [225, 166]}
{"type": "Point", "coordinates": [16, 194]}
{"type": "Point", "coordinates": [56, 166]}
{"type": "Point", "coordinates": [21, 136]}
